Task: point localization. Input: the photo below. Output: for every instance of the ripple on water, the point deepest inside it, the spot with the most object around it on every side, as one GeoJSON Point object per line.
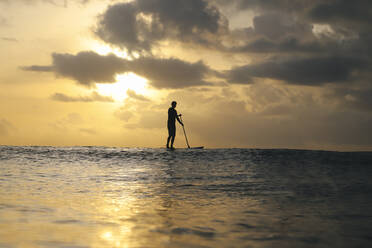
{"type": "Point", "coordinates": [144, 197]}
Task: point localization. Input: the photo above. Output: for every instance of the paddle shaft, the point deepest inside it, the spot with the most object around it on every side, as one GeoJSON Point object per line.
{"type": "Point", "coordinates": [187, 142]}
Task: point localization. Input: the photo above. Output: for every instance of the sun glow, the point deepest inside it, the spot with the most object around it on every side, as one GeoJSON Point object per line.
{"type": "Point", "coordinates": [124, 82]}
{"type": "Point", "coordinates": [103, 49]}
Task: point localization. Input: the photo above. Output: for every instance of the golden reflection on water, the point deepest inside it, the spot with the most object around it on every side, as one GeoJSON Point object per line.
{"type": "Point", "coordinates": [93, 220]}
{"type": "Point", "coordinates": [76, 212]}
{"type": "Point", "coordinates": [71, 210]}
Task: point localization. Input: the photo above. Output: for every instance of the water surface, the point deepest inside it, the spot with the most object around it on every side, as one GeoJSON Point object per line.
{"type": "Point", "coordinates": [125, 197]}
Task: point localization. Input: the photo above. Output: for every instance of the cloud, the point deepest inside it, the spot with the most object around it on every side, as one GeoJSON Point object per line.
{"type": "Point", "coordinates": [275, 26]}
{"type": "Point", "coordinates": [269, 5]}
{"type": "Point", "coordinates": [305, 58]}
{"type": "Point", "coordinates": [118, 25]}
{"type": "Point", "coordinates": [302, 71]}
{"type": "Point", "coordinates": [288, 27]}
{"type": "Point", "coordinates": [94, 97]}
{"type": "Point", "coordinates": [171, 73]}
{"type": "Point", "coordinates": [139, 25]}
{"type": "Point", "coordinates": [134, 95]}
{"type": "Point", "coordinates": [344, 12]}
{"type": "Point", "coordinates": [187, 17]}
{"type": "Point", "coordinates": [37, 68]}
{"type": "Point", "coordinates": [355, 99]}
{"type": "Point", "coordinates": [286, 45]}
{"type": "Point", "coordinates": [341, 14]}
{"type": "Point", "coordinates": [277, 33]}
{"type": "Point", "coordinates": [58, 3]}
{"type": "Point", "coordinates": [88, 68]}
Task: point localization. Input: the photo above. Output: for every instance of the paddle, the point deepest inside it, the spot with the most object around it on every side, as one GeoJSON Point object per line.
{"type": "Point", "coordinates": [183, 127]}
{"type": "Point", "coordinates": [187, 142]}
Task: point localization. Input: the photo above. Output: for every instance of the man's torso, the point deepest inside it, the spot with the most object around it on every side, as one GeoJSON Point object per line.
{"type": "Point", "coordinates": [172, 114]}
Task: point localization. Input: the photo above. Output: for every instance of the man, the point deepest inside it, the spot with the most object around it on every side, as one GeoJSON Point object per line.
{"type": "Point", "coordinates": [172, 116]}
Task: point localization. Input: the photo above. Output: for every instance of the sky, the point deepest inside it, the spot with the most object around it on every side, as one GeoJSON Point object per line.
{"type": "Point", "coordinates": [245, 73]}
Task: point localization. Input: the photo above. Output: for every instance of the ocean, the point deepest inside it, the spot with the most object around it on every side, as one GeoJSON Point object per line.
{"type": "Point", "coordinates": [142, 197]}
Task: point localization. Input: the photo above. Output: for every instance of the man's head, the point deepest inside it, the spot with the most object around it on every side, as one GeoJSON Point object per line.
{"type": "Point", "coordinates": [174, 104]}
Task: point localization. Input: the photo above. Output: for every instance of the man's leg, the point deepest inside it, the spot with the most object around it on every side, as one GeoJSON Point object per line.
{"type": "Point", "coordinates": [169, 137]}
{"type": "Point", "coordinates": [172, 141]}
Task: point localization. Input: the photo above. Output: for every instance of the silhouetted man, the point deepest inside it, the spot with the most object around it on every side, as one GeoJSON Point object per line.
{"type": "Point", "coordinates": [172, 116]}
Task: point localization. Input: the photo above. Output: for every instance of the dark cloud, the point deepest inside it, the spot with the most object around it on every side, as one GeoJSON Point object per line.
{"type": "Point", "coordinates": [187, 17]}
{"type": "Point", "coordinates": [171, 73]}
{"type": "Point", "coordinates": [343, 11]}
{"type": "Point", "coordinates": [273, 33]}
{"type": "Point", "coordinates": [138, 25]}
{"type": "Point", "coordinates": [301, 71]}
{"type": "Point", "coordinates": [281, 27]}
{"type": "Point", "coordinates": [300, 52]}
{"type": "Point", "coordinates": [274, 5]}
{"type": "Point", "coordinates": [88, 68]}
{"type": "Point", "coordinates": [286, 45]}
{"type": "Point", "coordinates": [275, 26]}
{"type": "Point", "coordinates": [94, 97]}
{"type": "Point", "coordinates": [350, 22]}
{"type": "Point", "coordinates": [118, 25]}
{"type": "Point", "coordinates": [288, 27]}
{"type": "Point", "coordinates": [341, 14]}
{"type": "Point", "coordinates": [134, 95]}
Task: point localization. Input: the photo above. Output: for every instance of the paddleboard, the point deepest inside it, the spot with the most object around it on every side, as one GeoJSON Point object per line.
{"type": "Point", "coordinates": [193, 148]}
{"type": "Point", "coordinates": [198, 147]}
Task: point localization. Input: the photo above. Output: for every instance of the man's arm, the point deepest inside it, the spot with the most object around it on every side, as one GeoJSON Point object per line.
{"type": "Point", "coordinates": [178, 119]}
